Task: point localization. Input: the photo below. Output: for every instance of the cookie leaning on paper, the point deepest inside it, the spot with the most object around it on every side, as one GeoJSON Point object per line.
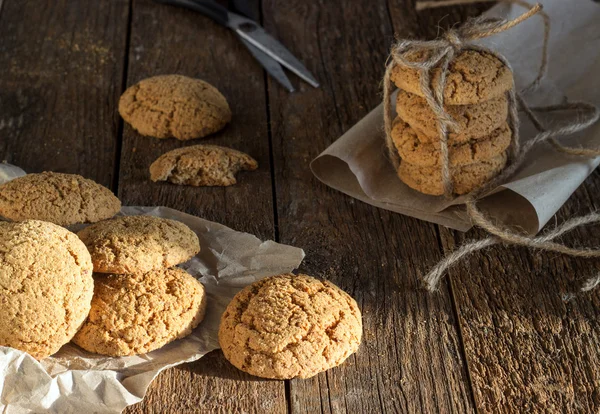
{"type": "Point", "coordinates": [466, 178]}
{"type": "Point", "coordinates": [63, 199]}
{"type": "Point", "coordinates": [138, 244]}
{"type": "Point", "coordinates": [46, 286]}
{"type": "Point", "coordinates": [473, 77]}
{"type": "Point", "coordinates": [201, 165]}
{"type": "Point", "coordinates": [174, 106]}
{"type": "Point", "coordinates": [290, 326]}
{"type": "Point", "coordinates": [136, 314]}
{"type": "Point", "coordinates": [473, 121]}
{"type": "Point", "coordinates": [413, 150]}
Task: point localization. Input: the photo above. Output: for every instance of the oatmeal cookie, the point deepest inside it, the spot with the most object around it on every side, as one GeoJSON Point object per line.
{"type": "Point", "coordinates": [290, 326]}
{"type": "Point", "coordinates": [138, 244]}
{"type": "Point", "coordinates": [174, 106]}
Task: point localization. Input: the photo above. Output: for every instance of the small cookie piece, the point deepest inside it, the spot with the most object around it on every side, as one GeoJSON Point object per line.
{"type": "Point", "coordinates": [46, 286]}
{"type": "Point", "coordinates": [466, 178]}
{"type": "Point", "coordinates": [138, 244]}
{"type": "Point", "coordinates": [136, 314]}
{"type": "Point", "coordinates": [290, 326]}
{"type": "Point", "coordinates": [412, 149]}
{"type": "Point", "coordinates": [474, 121]}
{"type": "Point", "coordinates": [63, 199]}
{"type": "Point", "coordinates": [473, 77]}
{"type": "Point", "coordinates": [174, 106]}
{"type": "Point", "coordinates": [201, 165]}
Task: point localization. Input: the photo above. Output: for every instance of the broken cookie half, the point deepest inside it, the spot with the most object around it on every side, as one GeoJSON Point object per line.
{"type": "Point", "coordinates": [201, 165]}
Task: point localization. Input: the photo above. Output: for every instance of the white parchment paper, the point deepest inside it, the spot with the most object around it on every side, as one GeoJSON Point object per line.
{"type": "Point", "coordinates": [357, 164]}
{"type": "Point", "coordinates": [76, 381]}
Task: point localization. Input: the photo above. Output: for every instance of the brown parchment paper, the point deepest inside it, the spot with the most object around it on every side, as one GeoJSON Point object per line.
{"type": "Point", "coordinates": [357, 163]}
{"type": "Point", "coordinates": [76, 381]}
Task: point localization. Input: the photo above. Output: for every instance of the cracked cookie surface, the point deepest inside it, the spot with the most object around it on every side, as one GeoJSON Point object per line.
{"type": "Point", "coordinates": [201, 165]}
{"type": "Point", "coordinates": [466, 178]}
{"type": "Point", "coordinates": [290, 326]}
{"type": "Point", "coordinates": [136, 314]}
{"type": "Point", "coordinates": [473, 121]}
{"type": "Point", "coordinates": [413, 150]}
{"type": "Point", "coordinates": [473, 77]}
{"type": "Point", "coordinates": [138, 244]}
{"type": "Point", "coordinates": [63, 199]}
{"type": "Point", "coordinates": [174, 106]}
{"type": "Point", "coordinates": [46, 286]}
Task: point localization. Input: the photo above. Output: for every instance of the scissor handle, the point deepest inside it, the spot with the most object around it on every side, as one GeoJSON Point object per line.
{"type": "Point", "coordinates": [208, 8]}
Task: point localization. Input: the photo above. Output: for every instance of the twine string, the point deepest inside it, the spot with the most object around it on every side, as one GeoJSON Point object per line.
{"type": "Point", "coordinates": [435, 275]}
{"type": "Point", "coordinates": [438, 55]}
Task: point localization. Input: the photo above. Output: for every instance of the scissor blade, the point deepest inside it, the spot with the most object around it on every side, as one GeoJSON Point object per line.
{"type": "Point", "coordinates": [256, 35]}
{"type": "Point", "coordinates": [270, 65]}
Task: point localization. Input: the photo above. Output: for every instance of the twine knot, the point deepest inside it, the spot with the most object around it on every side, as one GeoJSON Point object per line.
{"type": "Point", "coordinates": [454, 39]}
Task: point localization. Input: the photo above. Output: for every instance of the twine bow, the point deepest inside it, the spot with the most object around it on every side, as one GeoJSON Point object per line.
{"type": "Point", "coordinates": [438, 54]}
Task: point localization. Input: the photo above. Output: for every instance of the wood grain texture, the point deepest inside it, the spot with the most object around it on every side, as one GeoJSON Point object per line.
{"type": "Point", "coordinates": [429, 23]}
{"type": "Point", "coordinates": [167, 40]}
{"type": "Point", "coordinates": [410, 359]}
{"type": "Point", "coordinates": [529, 347]}
{"type": "Point", "coordinates": [61, 70]}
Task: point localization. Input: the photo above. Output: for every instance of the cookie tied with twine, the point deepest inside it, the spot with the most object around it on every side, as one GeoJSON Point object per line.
{"type": "Point", "coordinates": [438, 55]}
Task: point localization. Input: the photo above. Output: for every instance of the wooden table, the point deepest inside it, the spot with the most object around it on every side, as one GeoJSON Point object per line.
{"type": "Point", "coordinates": [498, 337]}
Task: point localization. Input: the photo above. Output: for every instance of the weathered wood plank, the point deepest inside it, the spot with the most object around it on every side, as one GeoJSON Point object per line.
{"type": "Point", "coordinates": [527, 348]}
{"type": "Point", "coordinates": [61, 67]}
{"type": "Point", "coordinates": [411, 359]}
{"type": "Point", "coordinates": [168, 40]}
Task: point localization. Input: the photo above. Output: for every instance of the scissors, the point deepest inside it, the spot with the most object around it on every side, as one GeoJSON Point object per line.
{"type": "Point", "coordinates": [271, 54]}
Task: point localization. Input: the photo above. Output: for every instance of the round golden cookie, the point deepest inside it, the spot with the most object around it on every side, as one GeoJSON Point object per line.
{"type": "Point", "coordinates": [63, 199]}
{"type": "Point", "coordinates": [174, 106]}
{"type": "Point", "coordinates": [413, 150]}
{"type": "Point", "coordinates": [46, 286]}
{"type": "Point", "coordinates": [201, 165]}
{"type": "Point", "coordinates": [473, 77]}
{"type": "Point", "coordinates": [138, 244]}
{"type": "Point", "coordinates": [136, 314]}
{"type": "Point", "coordinates": [290, 326]}
{"type": "Point", "coordinates": [466, 178]}
{"type": "Point", "coordinates": [474, 121]}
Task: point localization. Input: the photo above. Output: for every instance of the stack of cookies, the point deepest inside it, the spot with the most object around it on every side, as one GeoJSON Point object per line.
{"type": "Point", "coordinates": [141, 301]}
{"type": "Point", "coordinates": [135, 302]}
{"type": "Point", "coordinates": [475, 97]}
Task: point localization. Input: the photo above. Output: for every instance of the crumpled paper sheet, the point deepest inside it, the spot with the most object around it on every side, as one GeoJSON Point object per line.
{"type": "Point", "coordinates": [76, 381]}
{"type": "Point", "coordinates": [357, 164]}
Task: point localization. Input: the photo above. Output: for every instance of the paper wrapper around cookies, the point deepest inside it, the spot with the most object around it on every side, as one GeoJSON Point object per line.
{"type": "Point", "coordinates": [76, 381]}
{"type": "Point", "coordinates": [357, 163]}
